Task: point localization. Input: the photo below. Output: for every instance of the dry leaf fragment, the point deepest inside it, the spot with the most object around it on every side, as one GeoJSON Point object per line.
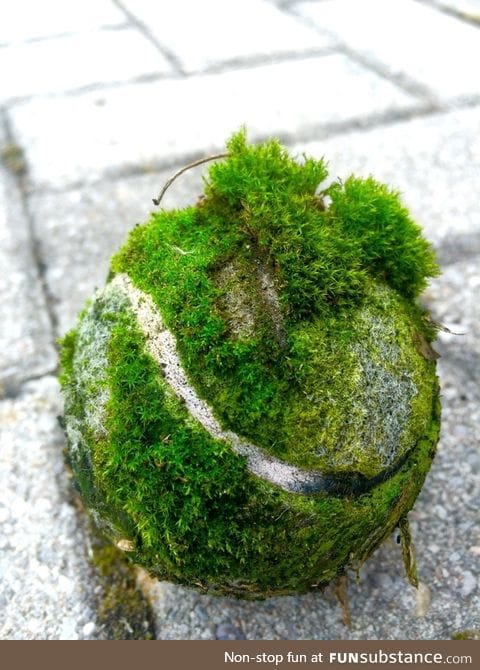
{"type": "Point", "coordinates": [423, 600]}
{"type": "Point", "coordinates": [408, 552]}
{"type": "Point", "coordinates": [424, 348]}
{"type": "Point", "coordinates": [341, 593]}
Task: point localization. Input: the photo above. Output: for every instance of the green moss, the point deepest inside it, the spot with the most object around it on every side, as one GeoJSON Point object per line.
{"type": "Point", "coordinates": [469, 634]}
{"type": "Point", "coordinates": [66, 355]}
{"type": "Point", "coordinates": [275, 372]}
{"type": "Point", "coordinates": [122, 610]}
{"type": "Point", "coordinates": [13, 157]}
{"type": "Point", "coordinates": [391, 244]}
{"type": "Point", "coordinates": [194, 513]}
{"type": "Point", "coordinates": [361, 394]}
{"type": "Point", "coordinates": [297, 324]}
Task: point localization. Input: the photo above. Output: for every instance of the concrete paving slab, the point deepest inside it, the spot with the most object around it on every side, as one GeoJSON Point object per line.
{"type": "Point", "coordinates": [212, 32]}
{"type": "Point", "coordinates": [71, 62]}
{"type": "Point", "coordinates": [80, 138]}
{"type": "Point", "coordinates": [46, 579]}
{"type": "Point", "coordinates": [26, 20]}
{"type": "Point", "coordinates": [442, 50]}
{"type": "Point", "coordinates": [433, 161]}
{"type": "Point", "coordinates": [26, 348]}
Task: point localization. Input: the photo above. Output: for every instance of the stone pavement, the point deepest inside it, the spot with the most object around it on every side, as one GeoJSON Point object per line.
{"type": "Point", "coordinates": [100, 102]}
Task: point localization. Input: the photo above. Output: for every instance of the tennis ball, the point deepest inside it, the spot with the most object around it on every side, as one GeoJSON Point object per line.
{"type": "Point", "coordinates": [251, 404]}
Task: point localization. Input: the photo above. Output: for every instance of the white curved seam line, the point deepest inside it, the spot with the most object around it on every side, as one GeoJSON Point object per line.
{"type": "Point", "coordinates": [161, 345]}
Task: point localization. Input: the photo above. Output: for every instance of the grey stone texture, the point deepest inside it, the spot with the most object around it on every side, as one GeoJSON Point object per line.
{"type": "Point", "coordinates": [406, 40]}
{"type": "Point", "coordinates": [390, 89]}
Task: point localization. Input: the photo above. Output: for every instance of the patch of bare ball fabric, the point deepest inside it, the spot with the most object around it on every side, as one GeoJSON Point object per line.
{"type": "Point", "coordinates": [247, 408]}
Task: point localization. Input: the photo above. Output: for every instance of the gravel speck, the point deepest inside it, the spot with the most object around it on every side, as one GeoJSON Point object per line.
{"type": "Point", "coordinates": [225, 631]}
{"type": "Point", "coordinates": [469, 583]}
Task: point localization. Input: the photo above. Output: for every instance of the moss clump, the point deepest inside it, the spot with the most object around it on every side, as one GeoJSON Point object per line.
{"type": "Point", "coordinates": [12, 156]}
{"type": "Point", "coordinates": [469, 634]}
{"type": "Point", "coordinates": [247, 407]}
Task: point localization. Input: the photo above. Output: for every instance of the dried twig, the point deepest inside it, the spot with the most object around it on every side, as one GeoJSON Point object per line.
{"type": "Point", "coordinates": [200, 161]}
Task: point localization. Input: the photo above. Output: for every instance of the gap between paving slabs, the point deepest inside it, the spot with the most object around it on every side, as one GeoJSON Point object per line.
{"type": "Point", "coordinates": [26, 337]}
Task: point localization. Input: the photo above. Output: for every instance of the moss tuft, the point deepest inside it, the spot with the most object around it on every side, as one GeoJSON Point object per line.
{"type": "Point", "coordinates": [391, 244]}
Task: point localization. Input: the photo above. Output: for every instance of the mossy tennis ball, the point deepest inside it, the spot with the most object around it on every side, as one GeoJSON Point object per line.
{"type": "Point", "coordinates": [251, 402]}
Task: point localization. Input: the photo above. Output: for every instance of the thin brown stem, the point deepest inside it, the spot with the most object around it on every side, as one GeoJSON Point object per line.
{"type": "Point", "coordinates": [200, 161]}
{"type": "Point", "coordinates": [408, 552]}
{"type": "Point", "coordinates": [341, 593]}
